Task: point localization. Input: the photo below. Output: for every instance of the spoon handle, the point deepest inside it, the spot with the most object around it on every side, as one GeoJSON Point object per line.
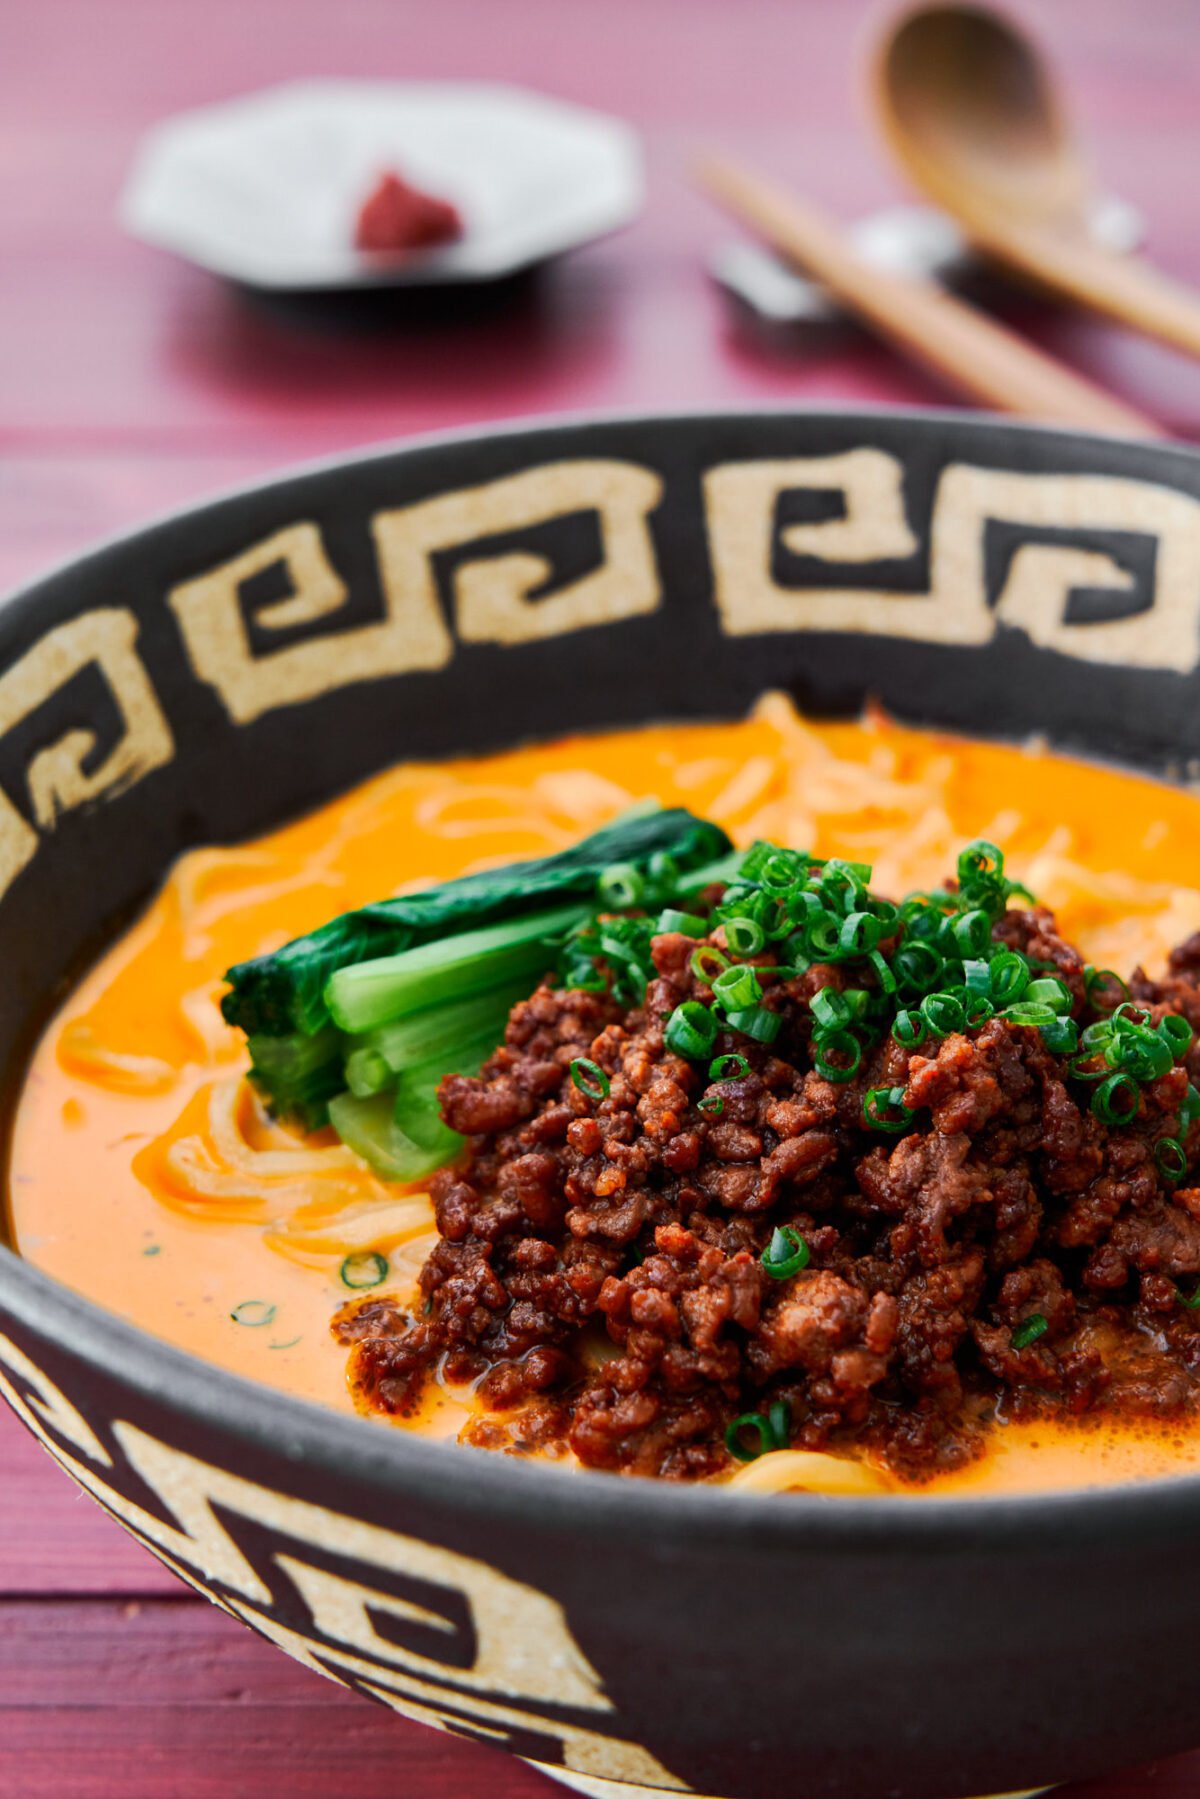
{"type": "Point", "coordinates": [979, 357]}
{"type": "Point", "coordinates": [1122, 287]}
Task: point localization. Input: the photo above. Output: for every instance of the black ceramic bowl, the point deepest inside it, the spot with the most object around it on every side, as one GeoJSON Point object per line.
{"type": "Point", "coordinates": [460, 595]}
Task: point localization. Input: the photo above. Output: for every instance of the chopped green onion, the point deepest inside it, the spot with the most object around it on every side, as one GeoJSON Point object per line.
{"type": "Point", "coordinates": [786, 1254]}
{"type": "Point", "coordinates": [745, 936]}
{"type": "Point", "coordinates": [883, 973]}
{"type": "Point", "coordinates": [1033, 1014]}
{"type": "Point", "coordinates": [829, 1009]}
{"type": "Point", "coordinates": [979, 858]}
{"type": "Point", "coordinates": [1117, 1100]}
{"type": "Point", "coordinates": [1189, 1109]}
{"type": "Point", "coordinates": [773, 922]}
{"type": "Point", "coordinates": [982, 880]}
{"type": "Point", "coordinates": [707, 962]}
{"type": "Point", "coordinates": [1009, 975]}
{"type": "Point", "coordinates": [1191, 1303]}
{"type": "Point", "coordinates": [971, 932]}
{"type": "Point", "coordinates": [1177, 1033]}
{"type": "Point", "coordinates": [254, 1313]}
{"type": "Point", "coordinates": [843, 1044]}
{"type": "Point", "coordinates": [908, 1028]}
{"type": "Point", "coordinates": [662, 871]}
{"type": "Point", "coordinates": [1171, 1157]}
{"type": "Point", "coordinates": [802, 904]}
{"type": "Point", "coordinates": [821, 935]}
{"type": "Point", "coordinates": [772, 1433]}
{"type": "Point", "coordinates": [846, 881]}
{"type": "Point", "coordinates": [917, 967]}
{"type": "Point", "coordinates": [859, 933]}
{"type": "Point", "coordinates": [778, 869]}
{"type": "Point", "coordinates": [1034, 1326]}
{"type": "Point", "coordinates": [729, 1068]}
{"type": "Point", "coordinates": [977, 976]}
{"type": "Point", "coordinates": [943, 1013]}
{"type": "Point", "coordinates": [620, 886]}
{"type": "Point", "coordinates": [758, 1023]}
{"type": "Point", "coordinates": [1061, 1036]}
{"type": "Point", "coordinates": [585, 977]}
{"type": "Point", "coordinates": [690, 924]}
{"type": "Point", "coordinates": [1140, 1051]}
{"type": "Point", "coordinates": [366, 1269]}
{"type": "Point", "coordinates": [590, 1079]}
{"type": "Point", "coordinates": [1050, 991]}
{"type": "Point", "coordinates": [712, 1103]}
{"type": "Point", "coordinates": [877, 1100]}
{"type": "Point", "coordinates": [923, 917]}
{"type": "Point", "coordinates": [737, 988]}
{"type": "Point", "coordinates": [691, 1030]}
{"type": "Point", "coordinates": [735, 1436]}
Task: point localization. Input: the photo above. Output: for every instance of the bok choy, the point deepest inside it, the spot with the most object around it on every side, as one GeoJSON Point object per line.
{"type": "Point", "coordinates": [356, 1023]}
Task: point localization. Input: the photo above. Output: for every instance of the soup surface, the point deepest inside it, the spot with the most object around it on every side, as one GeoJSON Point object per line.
{"type": "Point", "coordinates": [145, 1174]}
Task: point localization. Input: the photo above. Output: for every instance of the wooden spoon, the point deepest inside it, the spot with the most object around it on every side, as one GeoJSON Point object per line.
{"type": "Point", "coordinates": [969, 109]}
{"type": "Point", "coordinates": [978, 356]}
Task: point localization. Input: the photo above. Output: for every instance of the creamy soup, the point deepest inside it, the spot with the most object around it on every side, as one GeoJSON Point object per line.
{"type": "Point", "coordinates": [145, 1174]}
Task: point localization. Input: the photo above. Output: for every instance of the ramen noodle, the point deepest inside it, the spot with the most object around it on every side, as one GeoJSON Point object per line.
{"type": "Point", "coordinates": [146, 1173]}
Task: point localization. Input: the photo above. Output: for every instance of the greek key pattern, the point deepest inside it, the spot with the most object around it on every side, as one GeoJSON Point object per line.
{"type": "Point", "coordinates": [440, 1637]}
{"type": "Point", "coordinates": [298, 646]}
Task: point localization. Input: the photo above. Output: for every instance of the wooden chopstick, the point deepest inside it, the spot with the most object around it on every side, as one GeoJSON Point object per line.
{"type": "Point", "coordinates": [966, 348]}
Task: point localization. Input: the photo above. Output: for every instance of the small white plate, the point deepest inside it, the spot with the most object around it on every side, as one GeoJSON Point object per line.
{"type": "Point", "coordinates": [267, 189]}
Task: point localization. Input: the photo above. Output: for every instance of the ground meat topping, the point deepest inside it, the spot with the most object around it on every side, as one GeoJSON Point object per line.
{"type": "Point", "coordinates": [1000, 1247]}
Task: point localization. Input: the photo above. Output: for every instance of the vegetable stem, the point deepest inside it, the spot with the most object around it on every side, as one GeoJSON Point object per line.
{"type": "Point", "coordinates": [369, 994]}
{"type": "Point", "coordinates": [438, 1030]}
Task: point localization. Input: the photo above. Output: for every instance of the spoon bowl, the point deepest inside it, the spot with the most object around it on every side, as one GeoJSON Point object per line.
{"type": "Point", "coordinates": [970, 109]}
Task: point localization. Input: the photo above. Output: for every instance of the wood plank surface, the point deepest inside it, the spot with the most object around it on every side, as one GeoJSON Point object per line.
{"type": "Point", "coordinates": [168, 1697]}
{"type": "Point", "coordinates": [131, 384]}
{"type": "Point", "coordinates": [161, 1696]}
{"type": "Point", "coordinates": [55, 1540]}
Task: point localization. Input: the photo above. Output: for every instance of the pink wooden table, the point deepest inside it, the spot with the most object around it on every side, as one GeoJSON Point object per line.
{"type": "Point", "coordinates": [130, 384]}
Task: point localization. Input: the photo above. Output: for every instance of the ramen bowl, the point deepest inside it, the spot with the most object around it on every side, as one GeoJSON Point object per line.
{"type": "Point", "coordinates": [205, 678]}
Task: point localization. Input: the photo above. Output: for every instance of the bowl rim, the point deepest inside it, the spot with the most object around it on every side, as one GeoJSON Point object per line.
{"type": "Point", "coordinates": [392, 1459]}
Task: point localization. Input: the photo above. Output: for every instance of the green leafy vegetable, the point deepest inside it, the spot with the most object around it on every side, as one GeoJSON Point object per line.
{"type": "Point", "coordinates": [368, 994]}
{"type": "Point", "coordinates": [356, 1024]}
{"type": "Point", "coordinates": [284, 992]}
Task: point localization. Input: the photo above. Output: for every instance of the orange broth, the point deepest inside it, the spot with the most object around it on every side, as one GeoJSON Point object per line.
{"type": "Point", "coordinates": [126, 1072]}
